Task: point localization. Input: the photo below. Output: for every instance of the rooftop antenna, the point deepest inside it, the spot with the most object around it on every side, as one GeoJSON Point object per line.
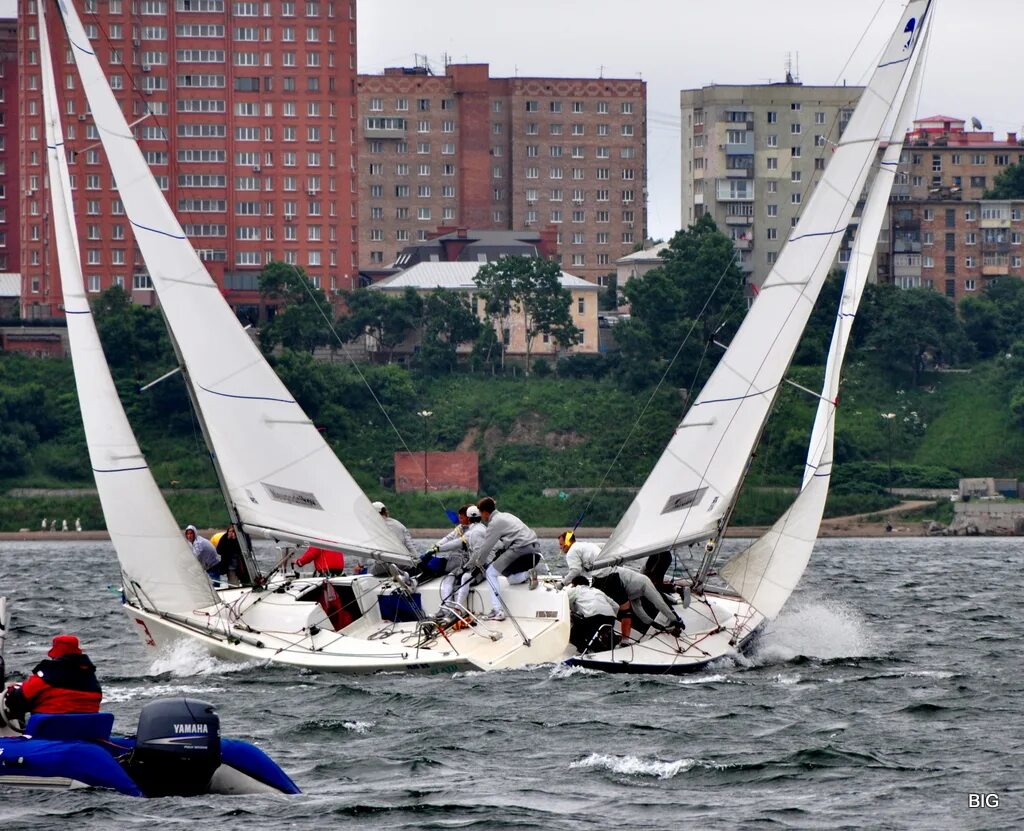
{"type": "Point", "coordinates": [975, 122]}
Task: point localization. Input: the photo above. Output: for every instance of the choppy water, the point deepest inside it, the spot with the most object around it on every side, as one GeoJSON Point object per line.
{"type": "Point", "coordinates": [889, 691]}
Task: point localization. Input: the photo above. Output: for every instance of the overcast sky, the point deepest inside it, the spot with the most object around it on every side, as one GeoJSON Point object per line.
{"type": "Point", "coordinates": [974, 66]}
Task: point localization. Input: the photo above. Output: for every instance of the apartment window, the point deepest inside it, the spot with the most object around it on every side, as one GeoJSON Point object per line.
{"type": "Point", "coordinates": [532, 106]}
{"type": "Point", "coordinates": [556, 106]}
{"type": "Point", "coordinates": [773, 210]}
{"type": "Point", "coordinates": [772, 163]}
{"type": "Point", "coordinates": [771, 140]}
{"type": "Point", "coordinates": [819, 118]}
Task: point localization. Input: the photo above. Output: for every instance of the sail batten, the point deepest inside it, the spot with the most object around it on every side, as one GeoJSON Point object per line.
{"type": "Point", "coordinates": [763, 346]}
{"type": "Point", "coordinates": [153, 555]}
{"type": "Point", "coordinates": [262, 439]}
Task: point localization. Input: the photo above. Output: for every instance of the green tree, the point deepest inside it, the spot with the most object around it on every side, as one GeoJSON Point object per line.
{"type": "Point", "coordinates": [983, 325]}
{"type": "Point", "coordinates": [448, 322]}
{"type": "Point", "coordinates": [695, 296]}
{"type": "Point", "coordinates": [303, 316]}
{"type": "Point", "coordinates": [132, 335]}
{"type": "Point", "coordinates": [608, 299]}
{"type": "Point", "coordinates": [913, 328]}
{"type": "Point", "coordinates": [531, 288]}
{"type": "Point", "coordinates": [1009, 184]}
{"type": "Point", "coordinates": [385, 318]}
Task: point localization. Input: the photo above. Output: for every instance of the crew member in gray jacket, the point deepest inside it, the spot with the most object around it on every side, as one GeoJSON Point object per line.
{"type": "Point", "coordinates": [517, 552]}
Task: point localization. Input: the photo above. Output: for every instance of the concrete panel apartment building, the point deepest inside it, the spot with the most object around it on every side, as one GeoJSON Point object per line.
{"type": "Point", "coordinates": [250, 128]}
{"type": "Point", "coordinates": [751, 156]}
{"type": "Point", "coordinates": [464, 150]}
{"type": "Point", "coordinates": [945, 234]}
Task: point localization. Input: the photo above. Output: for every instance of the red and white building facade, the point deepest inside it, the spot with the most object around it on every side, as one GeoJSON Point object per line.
{"type": "Point", "coordinates": [246, 112]}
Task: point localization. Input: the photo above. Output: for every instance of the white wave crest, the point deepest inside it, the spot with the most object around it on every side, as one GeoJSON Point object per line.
{"type": "Point", "coordinates": [815, 628]}
{"type": "Point", "coordinates": [358, 726]}
{"type": "Point", "coordinates": [634, 766]}
{"type": "Point", "coordinates": [704, 679]}
{"type": "Point", "coordinates": [157, 691]}
{"type": "Point", "coordinates": [187, 658]}
{"type": "Point", "coordinates": [559, 671]}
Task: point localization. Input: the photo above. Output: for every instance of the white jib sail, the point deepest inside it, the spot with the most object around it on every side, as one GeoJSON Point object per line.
{"type": "Point", "coordinates": [696, 479]}
{"type": "Point", "coordinates": [156, 561]}
{"type": "Point", "coordinates": [280, 474]}
{"type": "Point", "coordinates": [767, 572]}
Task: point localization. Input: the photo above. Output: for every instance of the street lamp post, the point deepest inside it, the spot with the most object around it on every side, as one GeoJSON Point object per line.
{"type": "Point", "coordinates": [425, 415]}
{"type": "Point", "coordinates": [889, 417]}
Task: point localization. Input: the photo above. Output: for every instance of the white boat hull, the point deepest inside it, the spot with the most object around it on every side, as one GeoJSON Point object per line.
{"type": "Point", "coordinates": [278, 625]}
{"type": "Point", "coordinates": [717, 626]}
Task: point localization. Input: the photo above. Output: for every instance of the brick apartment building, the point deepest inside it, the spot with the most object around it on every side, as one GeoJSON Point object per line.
{"type": "Point", "coordinates": [249, 133]}
{"type": "Point", "coordinates": [466, 150]}
{"type": "Point", "coordinates": [10, 215]}
{"type": "Point", "coordinates": [752, 154]}
{"type": "Point", "coordinates": [944, 234]}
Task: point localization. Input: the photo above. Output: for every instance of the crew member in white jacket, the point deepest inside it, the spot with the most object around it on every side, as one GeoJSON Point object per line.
{"type": "Point", "coordinates": [580, 558]}
{"type": "Point", "coordinates": [448, 557]}
{"type": "Point", "coordinates": [517, 553]}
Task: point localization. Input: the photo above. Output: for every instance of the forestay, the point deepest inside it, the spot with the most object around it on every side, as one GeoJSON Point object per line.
{"type": "Point", "coordinates": [695, 481]}
{"type": "Point", "coordinates": [766, 573]}
{"type": "Point", "coordinates": [277, 470]}
{"type": "Point", "coordinates": [157, 562]}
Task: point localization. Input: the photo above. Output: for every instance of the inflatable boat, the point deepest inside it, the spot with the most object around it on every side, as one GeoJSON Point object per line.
{"type": "Point", "coordinates": [176, 751]}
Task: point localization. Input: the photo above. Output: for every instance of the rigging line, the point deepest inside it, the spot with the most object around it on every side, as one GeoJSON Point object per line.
{"type": "Point", "coordinates": [307, 284]}
{"type": "Point", "coordinates": [863, 35]}
{"type": "Point", "coordinates": [661, 381]}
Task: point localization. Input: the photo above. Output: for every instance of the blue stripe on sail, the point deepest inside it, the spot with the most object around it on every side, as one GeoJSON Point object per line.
{"type": "Point", "coordinates": [818, 234]}
{"type": "Point", "coordinates": [247, 397]}
{"type": "Point", "coordinates": [83, 49]}
{"type": "Point", "coordinates": [890, 164]}
{"type": "Point", "coordinates": [736, 398]}
{"type": "Point", "coordinates": [83, 312]}
{"type": "Point", "coordinates": [54, 146]}
{"type": "Point", "coordinates": [893, 63]}
{"type": "Point", "coordinates": [156, 230]}
{"type": "Point", "coordinates": [119, 469]}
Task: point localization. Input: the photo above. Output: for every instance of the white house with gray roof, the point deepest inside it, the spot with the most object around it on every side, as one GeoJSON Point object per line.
{"type": "Point", "coordinates": [458, 276]}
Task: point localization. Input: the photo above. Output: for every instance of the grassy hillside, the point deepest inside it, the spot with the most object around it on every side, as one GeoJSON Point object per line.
{"type": "Point", "coordinates": [531, 434]}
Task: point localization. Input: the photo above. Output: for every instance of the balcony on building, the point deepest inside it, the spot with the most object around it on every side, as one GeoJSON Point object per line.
{"type": "Point", "coordinates": [739, 213]}
{"type": "Point", "coordinates": [735, 190]}
{"type": "Point", "coordinates": [385, 127]}
{"type": "Point", "coordinates": [996, 214]}
{"type": "Point", "coordinates": [739, 166]}
{"type": "Point", "coordinates": [906, 266]}
{"type": "Point", "coordinates": [995, 265]}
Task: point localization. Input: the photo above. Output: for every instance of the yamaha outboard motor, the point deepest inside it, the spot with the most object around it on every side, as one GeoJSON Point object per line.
{"type": "Point", "coordinates": [177, 747]}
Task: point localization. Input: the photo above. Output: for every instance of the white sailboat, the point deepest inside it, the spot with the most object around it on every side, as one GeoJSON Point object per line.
{"type": "Point", "coordinates": [280, 479]}
{"type": "Point", "coordinates": [688, 499]}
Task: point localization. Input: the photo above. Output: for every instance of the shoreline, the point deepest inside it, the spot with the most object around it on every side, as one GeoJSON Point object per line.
{"type": "Point", "coordinates": [831, 529]}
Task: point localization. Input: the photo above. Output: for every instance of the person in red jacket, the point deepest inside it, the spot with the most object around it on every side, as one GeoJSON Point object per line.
{"type": "Point", "coordinates": [64, 683]}
{"type": "Point", "coordinates": [326, 562]}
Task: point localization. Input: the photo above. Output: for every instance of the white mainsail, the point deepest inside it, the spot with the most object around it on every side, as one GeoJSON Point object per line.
{"type": "Point", "coordinates": [766, 573]}
{"type": "Point", "coordinates": [158, 564]}
{"type": "Point", "coordinates": [280, 475]}
{"type": "Point", "coordinates": [695, 481]}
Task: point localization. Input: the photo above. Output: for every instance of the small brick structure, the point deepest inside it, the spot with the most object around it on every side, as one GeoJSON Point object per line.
{"type": "Point", "coordinates": [445, 471]}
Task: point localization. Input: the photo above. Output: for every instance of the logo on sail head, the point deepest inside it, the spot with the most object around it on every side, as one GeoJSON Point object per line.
{"type": "Point", "coordinates": [301, 499]}
{"type": "Point", "coordinates": [678, 501]}
{"type": "Point", "coordinates": [909, 32]}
